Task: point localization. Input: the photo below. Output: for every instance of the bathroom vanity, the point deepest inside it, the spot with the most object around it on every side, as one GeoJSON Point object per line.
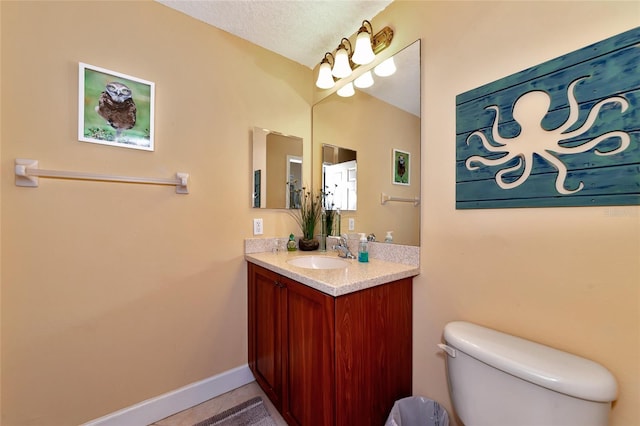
{"type": "Point", "coordinates": [330, 346]}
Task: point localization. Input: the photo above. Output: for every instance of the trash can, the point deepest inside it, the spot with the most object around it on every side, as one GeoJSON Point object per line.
{"type": "Point", "coordinates": [417, 411]}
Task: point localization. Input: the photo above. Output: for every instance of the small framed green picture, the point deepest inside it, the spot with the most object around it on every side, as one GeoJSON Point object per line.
{"type": "Point", "coordinates": [115, 109]}
{"type": "Point", "coordinates": [401, 167]}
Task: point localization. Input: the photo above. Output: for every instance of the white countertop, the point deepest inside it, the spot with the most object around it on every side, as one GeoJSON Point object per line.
{"type": "Point", "coordinates": [334, 282]}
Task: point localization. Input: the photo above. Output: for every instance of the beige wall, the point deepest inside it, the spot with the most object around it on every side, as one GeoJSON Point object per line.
{"type": "Point", "coordinates": [115, 293]}
{"type": "Point", "coordinates": [279, 148]}
{"type": "Point", "coordinates": [567, 277]}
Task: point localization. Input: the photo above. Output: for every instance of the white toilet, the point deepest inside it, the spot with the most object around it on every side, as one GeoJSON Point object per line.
{"type": "Point", "coordinates": [496, 379]}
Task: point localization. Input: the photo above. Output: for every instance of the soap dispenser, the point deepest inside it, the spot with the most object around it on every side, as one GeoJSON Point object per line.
{"type": "Point", "coordinates": [363, 249]}
{"type": "Point", "coordinates": [389, 237]}
{"type": "Point", "coordinates": [291, 244]}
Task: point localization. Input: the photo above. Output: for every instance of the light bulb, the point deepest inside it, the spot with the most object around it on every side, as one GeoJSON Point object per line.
{"type": "Point", "coordinates": [364, 81]}
{"type": "Point", "coordinates": [386, 68]}
{"type": "Point", "coordinates": [325, 80]}
{"type": "Point", "coordinates": [346, 90]}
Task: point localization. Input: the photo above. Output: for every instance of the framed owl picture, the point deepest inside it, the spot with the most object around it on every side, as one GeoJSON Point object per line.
{"type": "Point", "coordinates": [401, 162]}
{"type": "Point", "coordinates": [115, 109]}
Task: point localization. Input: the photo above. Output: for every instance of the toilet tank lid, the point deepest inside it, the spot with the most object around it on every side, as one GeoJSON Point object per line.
{"type": "Point", "coordinates": [536, 363]}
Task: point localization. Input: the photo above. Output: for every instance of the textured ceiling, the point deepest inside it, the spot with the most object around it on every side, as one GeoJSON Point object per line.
{"type": "Point", "coordinates": [301, 30]}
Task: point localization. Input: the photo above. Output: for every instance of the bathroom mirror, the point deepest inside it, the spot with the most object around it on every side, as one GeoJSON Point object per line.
{"type": "Point", "coordinates": [339, 177]}
{"type": "Point", "coordinates": [277, 169]}
{"type": "Point", "coordinates": [377, 122]}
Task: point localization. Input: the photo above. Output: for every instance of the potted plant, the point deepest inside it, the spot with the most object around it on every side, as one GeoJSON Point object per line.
{"type": "Point", "coordinates": [307, 216]}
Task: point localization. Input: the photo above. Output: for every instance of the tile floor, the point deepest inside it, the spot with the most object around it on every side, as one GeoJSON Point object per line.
{"type": "Point", "coordinates": [217, 405]}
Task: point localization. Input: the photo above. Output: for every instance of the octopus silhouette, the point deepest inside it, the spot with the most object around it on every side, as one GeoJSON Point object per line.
{"type": "Point", "coordinates": [529, 110]}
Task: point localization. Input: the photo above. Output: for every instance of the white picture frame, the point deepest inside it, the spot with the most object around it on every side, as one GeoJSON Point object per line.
{"type": "Point", "coordinates": [401, 167]}
{"type": "Point", "coordinates": [122, 116]}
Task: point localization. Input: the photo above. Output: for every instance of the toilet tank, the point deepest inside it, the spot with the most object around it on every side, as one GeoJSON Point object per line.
{"type": "Point", "coordinates": [498, 379]}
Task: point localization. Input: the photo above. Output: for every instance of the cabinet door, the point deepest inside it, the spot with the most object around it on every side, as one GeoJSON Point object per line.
{"type": "Point", "coordinates": [308, 356]}
{"type": "Point", "coordinates": [266, 300]}
{"type": "Point", "coordinates": [373, 352]}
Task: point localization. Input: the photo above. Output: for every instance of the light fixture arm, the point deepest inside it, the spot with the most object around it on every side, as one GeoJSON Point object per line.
{"type": "Point", "coordinates": [325, 60]}
{"type": "Point", "coordinates": [363, 28]}
{"type": "Point", "coordinates": [341, 45]}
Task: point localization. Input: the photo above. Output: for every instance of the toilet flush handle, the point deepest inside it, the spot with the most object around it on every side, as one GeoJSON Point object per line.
{"type": "Point", "coordinates": [448, 349]}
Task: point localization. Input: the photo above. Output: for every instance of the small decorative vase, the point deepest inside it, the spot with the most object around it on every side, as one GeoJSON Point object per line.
{"type": "Point", "coordinates": [327, 223]}
{"type": "Point", "coordinates": [308, 245]}
{"type": "Point", "coordinates": [322, 239]}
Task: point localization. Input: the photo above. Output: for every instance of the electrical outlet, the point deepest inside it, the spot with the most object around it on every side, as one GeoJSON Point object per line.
{"type": "Point", "coordinates": [257, 227]}
{"type": "Point", "coordinates": [352, 224]}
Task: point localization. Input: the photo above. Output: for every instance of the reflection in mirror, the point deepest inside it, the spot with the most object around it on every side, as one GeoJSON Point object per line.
{"type": "Point", "coordinates": [277, 169]}
{"type": "Point", "coordinates": [339, 171]}
{"type": "Point", "coordinates": [374, 122]}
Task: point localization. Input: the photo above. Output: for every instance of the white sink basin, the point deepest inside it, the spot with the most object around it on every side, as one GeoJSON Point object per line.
{"type": "Point", "coordinates": [318, 262]}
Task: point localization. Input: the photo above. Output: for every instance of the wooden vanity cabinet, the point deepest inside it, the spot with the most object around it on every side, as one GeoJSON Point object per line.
{"type": "Point", "coordinates": [325, 360]}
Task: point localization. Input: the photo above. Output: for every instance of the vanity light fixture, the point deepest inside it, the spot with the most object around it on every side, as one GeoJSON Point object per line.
{"type": "Point", "coordinates": [346, 58]}
{"type": "Point", "coordinates": [325, 79]}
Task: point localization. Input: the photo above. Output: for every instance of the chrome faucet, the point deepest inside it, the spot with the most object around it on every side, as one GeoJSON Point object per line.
{"type": "Point", "coordinates": [343, 249]}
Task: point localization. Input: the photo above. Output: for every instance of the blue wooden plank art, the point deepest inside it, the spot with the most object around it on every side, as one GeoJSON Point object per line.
{"type": "Point", "coordinates": [563, 133]}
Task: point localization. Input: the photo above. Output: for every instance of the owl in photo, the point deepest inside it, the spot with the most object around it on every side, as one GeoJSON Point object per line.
{"type": "Point", "coordinates": [402, 169]}
{"type": "Point", "coordinates": [117, 107]}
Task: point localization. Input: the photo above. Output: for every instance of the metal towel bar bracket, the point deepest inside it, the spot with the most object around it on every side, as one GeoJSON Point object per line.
{"type": "Point", "coordinates": [27, 174]}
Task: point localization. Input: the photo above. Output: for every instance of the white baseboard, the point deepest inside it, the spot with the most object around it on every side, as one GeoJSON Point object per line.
{"type": "Point", "coordinates": [154, 409]}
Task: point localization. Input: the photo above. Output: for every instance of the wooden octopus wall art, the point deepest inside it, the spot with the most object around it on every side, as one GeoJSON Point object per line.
{"type": "Point", "coordinates": [563, 133]}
